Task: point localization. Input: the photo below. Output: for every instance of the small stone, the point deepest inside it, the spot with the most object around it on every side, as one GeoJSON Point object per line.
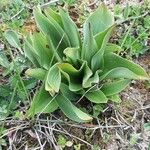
{"type": "Point", "coordinates": [69, 143]}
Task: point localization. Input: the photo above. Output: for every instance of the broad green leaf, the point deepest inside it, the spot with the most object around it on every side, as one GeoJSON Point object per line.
{"type": "Point", "coordinates": [78, 78]}
{"type": "Point", "coordinates": [56, 34]}
{"type": "Point", "coordinates": [67, 93]}
{"type": "Point", "coordinates": [30, 52]}
{"type": "Point", "coordinates": [37, 73]}
{"type": "Point", "coordinates": [115, 98]}
{"type": "Point", "coordinates": [54, 50]}
{"type": "Point", "coordinates": [87, 73]}
{"type": "Point", "coordinates": [96, 96]}
{"type": "Point", "coordinates": [119, 72]}
{"type": "Point", "coordinates": [68, 68]}
{"type": "Point", "coordinates": [71, 111]}
{"type": "Point", "coordinates": [103, 37]}
{"type": "Point", "coordinates": [115, 87]}
{"type": "Point", "coordinates": [13, 39]}
{"type": "Point", "coordinates": [112, 48]}
{"type": "Point", "coordinates": [40, 46]}
{"type": "Point", "coordinates": [91, 80]}
{"type": "Point", "coordinates": [58, 27]}
{"type": "Point", "coordinates": [74, 83]}
{"type": "Point", "coordinates": [29, 84]}
{"type": "Point", "coordinates": [101, 40]}
{"type": "Point", "coordinates": [3, 60]}
{"type": "Point", "coordinates": [42, 103]}
{"type": "Point", "coordinates": [53, 80]}
{"type": "Point", "coordinates": [54, 15]}
{"type": "Point", "coordinates": [112, 61]}
{"type": "Point", "coordinates": [72, 55]}
{"type": "Point", "coordinates": [72, 75]}
{"type": "Point", "coordinates": [70, 29]}
{"type": "Point", "coordinates": [100, 20]}
{"type": "Point", "coordinates": [89, 47]}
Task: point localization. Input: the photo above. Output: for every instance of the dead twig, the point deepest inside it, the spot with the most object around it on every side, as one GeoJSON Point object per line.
{"type": "Point", "coordinates": [49, 3]}
{"type": "Point", "coordinates": [73, 136]}
{"type": "Point", "coordinates": [17, 13]}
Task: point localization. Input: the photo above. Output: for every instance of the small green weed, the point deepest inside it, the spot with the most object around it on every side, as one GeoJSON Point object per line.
{"type": "Point", "coordinates": [134, 37]}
